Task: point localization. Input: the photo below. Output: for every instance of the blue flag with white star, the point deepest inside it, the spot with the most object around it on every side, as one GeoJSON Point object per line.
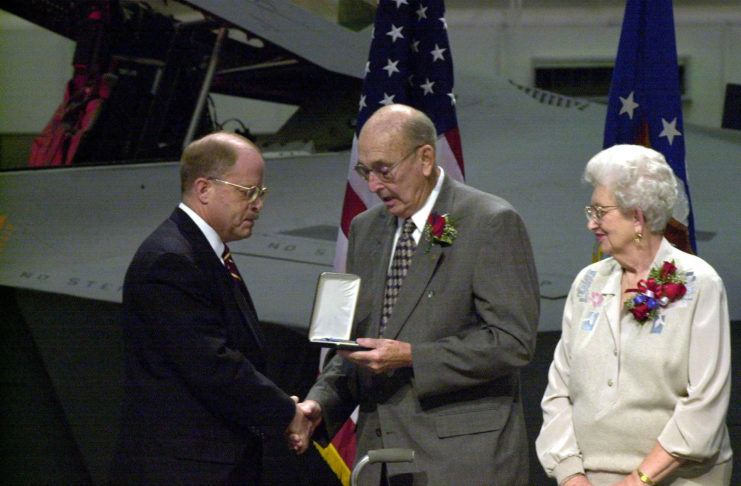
{"type": "Point", "coordinates": [645, 106]}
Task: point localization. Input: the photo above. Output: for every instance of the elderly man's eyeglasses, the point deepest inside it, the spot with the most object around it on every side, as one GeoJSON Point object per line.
{"type": "Point", "coordinates": [595, 212]}
{"type": "Point", "coordinates": [382, 171]}
{"type": "Point", "coordinates": [251, 193]}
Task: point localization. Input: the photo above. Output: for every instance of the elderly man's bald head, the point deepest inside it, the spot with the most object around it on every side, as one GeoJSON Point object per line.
{"type": "Point", "coordinates": [408, 123]}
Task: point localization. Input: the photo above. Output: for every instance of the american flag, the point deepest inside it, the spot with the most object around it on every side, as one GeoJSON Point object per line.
{"type": "Point", "coordinates": [409, 62]}
{"type": "Point", "coordinates": [645, 106]}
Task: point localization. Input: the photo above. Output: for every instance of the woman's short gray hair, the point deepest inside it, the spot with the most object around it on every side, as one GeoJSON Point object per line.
{"type": "Point", "coordinates": [638, 178]}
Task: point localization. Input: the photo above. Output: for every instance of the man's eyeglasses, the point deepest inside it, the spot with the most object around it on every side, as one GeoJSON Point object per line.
{"type": "Point", "coordinates": [382, 171]}
{"type": "Point", "coordinates": [595, 212]}
{"type": "Point", "coordinates": [251, 193]}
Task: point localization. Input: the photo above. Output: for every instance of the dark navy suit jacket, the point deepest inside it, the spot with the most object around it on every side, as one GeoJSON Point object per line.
{"type": "Point", "coordinates": [195, 394]}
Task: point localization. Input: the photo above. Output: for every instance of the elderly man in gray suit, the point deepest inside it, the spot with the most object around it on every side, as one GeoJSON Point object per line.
{"type": "Point", "coordinates": [449, 309]}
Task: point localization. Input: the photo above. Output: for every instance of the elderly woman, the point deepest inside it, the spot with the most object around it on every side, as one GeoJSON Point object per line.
{"type": "Point", "coordinates": [640, 381]}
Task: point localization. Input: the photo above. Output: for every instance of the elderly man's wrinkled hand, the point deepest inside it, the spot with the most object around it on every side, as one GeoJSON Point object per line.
{"type": "Point", "coordinates": [308, 417]}
{"type": "Point", "coordinates": [385, 354]}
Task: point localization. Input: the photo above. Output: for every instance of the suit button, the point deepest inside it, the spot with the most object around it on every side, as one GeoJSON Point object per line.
{"type": "Point", "coordinates": [378, 432]}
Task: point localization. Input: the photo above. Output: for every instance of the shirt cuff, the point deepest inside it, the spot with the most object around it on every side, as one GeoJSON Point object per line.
{"type": "Point", "coordinates": [568, 467]}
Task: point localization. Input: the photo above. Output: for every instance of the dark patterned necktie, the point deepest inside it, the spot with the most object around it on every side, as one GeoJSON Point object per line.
{"type": "Point", "coordinates": [237, 278]}
{"type": "Point", "coordinates": [233, 271]}
{"type": "Point", "coordinates": [403, 253]}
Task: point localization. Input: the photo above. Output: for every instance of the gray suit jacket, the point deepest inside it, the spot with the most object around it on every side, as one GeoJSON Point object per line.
{"type": "Point", "coordinates": [470, 311]}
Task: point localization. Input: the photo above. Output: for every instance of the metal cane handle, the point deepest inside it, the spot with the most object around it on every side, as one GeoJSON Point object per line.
{"type": "Point", "coordinates": [380, 455]}
{"type": "Point", "coordinates": [390, 455]}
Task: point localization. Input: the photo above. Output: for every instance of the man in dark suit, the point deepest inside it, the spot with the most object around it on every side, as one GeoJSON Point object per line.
{"type": "Point", "coordinates": [442, 374]}
{"type": "Point", "coordinates": [195, 394]}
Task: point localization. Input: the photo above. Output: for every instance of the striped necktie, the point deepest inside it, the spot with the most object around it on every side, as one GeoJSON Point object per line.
{"type": "Point", "coordinates": [237, 278]}
{"type": "Point", "coordinates": [232, 268]}
{"type": "Point", "coordinates": [403, 253]}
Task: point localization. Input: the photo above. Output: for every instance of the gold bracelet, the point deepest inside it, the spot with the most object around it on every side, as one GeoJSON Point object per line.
{"type": "Point", "coordinates": [645, 479]}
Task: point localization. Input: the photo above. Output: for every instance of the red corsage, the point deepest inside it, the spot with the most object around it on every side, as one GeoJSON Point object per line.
{"type": "Point", "coordinates": [439, 230]}
{"type": "Point", "coordinates": [660, 289]}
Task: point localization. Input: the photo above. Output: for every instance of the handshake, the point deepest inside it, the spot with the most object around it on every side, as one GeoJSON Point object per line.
{"type": "Point", "coordinates": [380, 356]}
{"type": "Point", "coordinates": [308, 417]}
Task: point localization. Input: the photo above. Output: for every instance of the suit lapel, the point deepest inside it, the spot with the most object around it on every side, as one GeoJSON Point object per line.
{"type": "Point", "coordinates": [230, 291]}
{"type": "Point", "coordinates": [241, 297]}
{"type": "Point", "coordinates": [382, 241]}
{"type": "Point", "coordinates": [420, 273]}
{"type": "Point", "coordinates": [422, 269]}
{"type": "Point", "coordinates": [244, 301]}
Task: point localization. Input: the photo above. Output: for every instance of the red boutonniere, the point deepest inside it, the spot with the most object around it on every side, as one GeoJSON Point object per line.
{"type": "Point", "coordinates": [662, 287]}
{"type": "Point", "coordinates": [439, 230]}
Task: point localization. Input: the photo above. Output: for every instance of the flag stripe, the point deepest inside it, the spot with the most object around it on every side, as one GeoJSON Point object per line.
{"type": "Point", "coordinates": [449, 154]}
{"type": "Point", "coordinates": [352, 205]}
{"type": "Point", "coordinates": [336, 462]}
